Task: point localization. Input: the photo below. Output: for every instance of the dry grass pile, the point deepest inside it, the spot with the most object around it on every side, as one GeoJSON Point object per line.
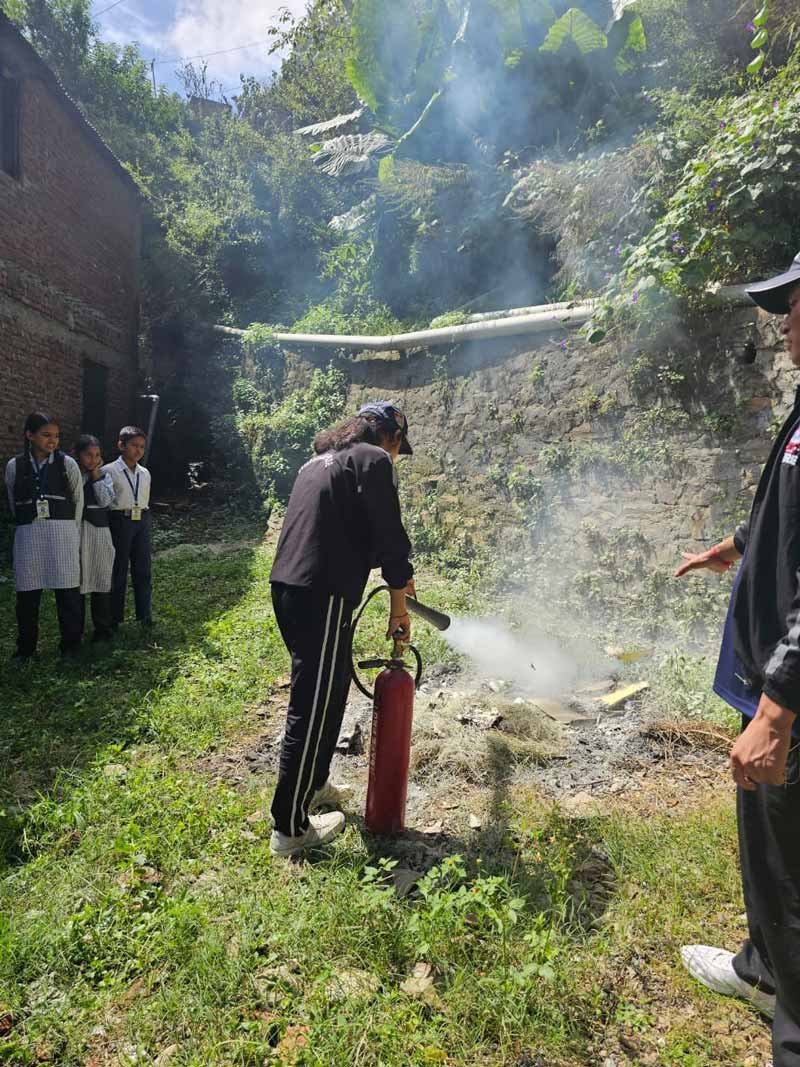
{"type": "Point", "coordinates": [685, 733]}
{"type": "Point", "coordinates": [473, 736]}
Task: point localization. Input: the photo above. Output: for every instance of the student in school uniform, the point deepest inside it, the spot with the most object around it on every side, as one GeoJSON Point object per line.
{"type": "Point", "coordinates": [97, 548]}
{"type": "Point", "coordinates": [45, 492]}
{"type": "Point", "coordinates": [130, 527]}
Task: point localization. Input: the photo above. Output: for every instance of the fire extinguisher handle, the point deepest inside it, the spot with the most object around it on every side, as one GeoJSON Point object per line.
{"type": "Point", "coordinates": [366, 664]}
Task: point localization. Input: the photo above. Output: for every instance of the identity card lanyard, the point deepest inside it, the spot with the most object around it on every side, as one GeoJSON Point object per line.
{"type": "Point", "coordinates": [40, 475]}
{"type": "Point", "coordinates": [136, 511]}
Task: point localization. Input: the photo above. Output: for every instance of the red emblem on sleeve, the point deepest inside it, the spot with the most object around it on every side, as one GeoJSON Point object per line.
{"type": "Point", "coordinates": [792, 450]}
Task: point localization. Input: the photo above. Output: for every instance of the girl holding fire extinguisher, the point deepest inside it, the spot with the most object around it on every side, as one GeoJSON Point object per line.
{"type": "Point", "coordinates": [343, 519]}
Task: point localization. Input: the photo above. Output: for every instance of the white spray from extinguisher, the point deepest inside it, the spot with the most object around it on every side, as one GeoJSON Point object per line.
{"type": "Point", "coordinates": [534, 664]}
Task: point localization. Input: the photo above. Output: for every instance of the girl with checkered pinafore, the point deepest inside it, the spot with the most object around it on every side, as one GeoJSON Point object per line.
{"type": "Point", "coordinates": [97, 548]}
{"type": "Point", "coordinates": [45, 492]}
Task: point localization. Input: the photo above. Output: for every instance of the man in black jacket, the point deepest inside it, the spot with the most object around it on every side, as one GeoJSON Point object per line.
{"type": "Point", "coordinates": [342, 520]}
{"type": "Point", "coordinates": [759, 675]}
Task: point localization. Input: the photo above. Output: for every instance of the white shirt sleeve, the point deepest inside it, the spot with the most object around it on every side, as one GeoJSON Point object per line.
{"type": "Point", "coordinates": [110, 471]}
{"type": "Point", "coordinates": [11, 472]}
{"type": "Point", "coordinates": [75, 480]}
{"type": "Point", "coordinates": [104, 490]}
{"type": "Point", "coordinates": [144, 492]}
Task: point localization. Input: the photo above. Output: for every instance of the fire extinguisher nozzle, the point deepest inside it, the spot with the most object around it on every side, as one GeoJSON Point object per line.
{"type": "Point", "coordinates": [430, 615]}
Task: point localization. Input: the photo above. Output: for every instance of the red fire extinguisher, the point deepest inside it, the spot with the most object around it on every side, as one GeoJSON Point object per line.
{"type": "Point", "coordinates": [392, 717]}
{"type": "Point", "coordinates": [390, 748]}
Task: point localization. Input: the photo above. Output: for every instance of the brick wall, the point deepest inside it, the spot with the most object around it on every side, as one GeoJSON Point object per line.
{"type": "Point", "coordinates": [69, 260]}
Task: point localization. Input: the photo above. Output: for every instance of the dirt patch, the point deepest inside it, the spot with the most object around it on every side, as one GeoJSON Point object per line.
{"type": "Point", "coordinates": [256, 752]}
{"type": "Point", "coordinates": [214, 548]}
{"type": "Point", "coordinates": [614, 754]}
{"type": "Point", "coordinates": [472, 744]}
{"type": "Point", "coordinates": [645, 1007]}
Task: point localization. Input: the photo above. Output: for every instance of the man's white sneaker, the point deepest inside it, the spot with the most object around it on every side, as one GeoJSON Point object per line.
{"type": "Point", "coordinates": [713, 967]}
{"type": "Point", "coordinates": [330, 796]}
{"type": "Point", "coordinates": [321, 830]}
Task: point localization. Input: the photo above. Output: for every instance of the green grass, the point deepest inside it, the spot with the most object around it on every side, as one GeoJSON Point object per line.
{"type": "Point", "coordinates": [140, 908]}
{"type": "Point", "coordinates": [680, 688]}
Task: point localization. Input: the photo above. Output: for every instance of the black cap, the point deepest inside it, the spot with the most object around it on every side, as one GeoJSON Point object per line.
{"type": "Point", "coordinates": [773, 294]}
{"type": "Point", "coordinates": [391, 418]}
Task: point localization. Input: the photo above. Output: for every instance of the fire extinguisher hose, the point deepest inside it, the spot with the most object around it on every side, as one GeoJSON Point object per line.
{"type": "Point", "coordinates": [366, 664]}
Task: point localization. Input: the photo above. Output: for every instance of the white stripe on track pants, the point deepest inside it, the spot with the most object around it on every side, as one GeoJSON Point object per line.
{"type": "Point", "coordinates": [316, 628]}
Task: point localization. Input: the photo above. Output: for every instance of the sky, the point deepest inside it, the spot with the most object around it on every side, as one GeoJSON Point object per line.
{"type": "Point", "coordinates": [170, 29]}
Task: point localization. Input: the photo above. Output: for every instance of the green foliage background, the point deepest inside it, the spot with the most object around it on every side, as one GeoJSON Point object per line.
{"type": "Point", "coordinates": [531, 151]}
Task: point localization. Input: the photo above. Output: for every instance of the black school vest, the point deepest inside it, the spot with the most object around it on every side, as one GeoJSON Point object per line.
{"type": "Point", "coordinates": [58, 494]}
{"type": "Point", "coordinates": [92, 511]}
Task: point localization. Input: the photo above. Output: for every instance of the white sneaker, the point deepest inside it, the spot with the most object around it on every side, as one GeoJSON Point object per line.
{"type": "Point", "coordinates": [713, 967]}
{"type": "Point", "coordinates": [329, 796]}
{"type": "Point", "coordinates": [321, 830]}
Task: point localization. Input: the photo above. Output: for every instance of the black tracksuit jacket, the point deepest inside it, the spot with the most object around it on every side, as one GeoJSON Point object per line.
{"type": "Point", "coordinates": [766, 607]}
{"type": "Point", "coordinates": [343, 519]}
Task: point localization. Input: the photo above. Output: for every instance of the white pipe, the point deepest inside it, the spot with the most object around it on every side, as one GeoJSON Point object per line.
{"type": "Point", "coordinates": [487, 316]}
{"type": "Point", "coordinates": [733, 294]}
{"type": "Point", "coordinates": [538, 321]}
{"type": "Point", "coordinates": [155, 401]}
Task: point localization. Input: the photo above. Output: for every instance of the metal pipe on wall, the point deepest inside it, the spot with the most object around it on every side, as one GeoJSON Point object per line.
{"type": "Point", "coordinates": [155, 400]}
{"type": "Point", "coordinates": [538, 321]}
{"type": "Point", "coordinates": [512, 323]}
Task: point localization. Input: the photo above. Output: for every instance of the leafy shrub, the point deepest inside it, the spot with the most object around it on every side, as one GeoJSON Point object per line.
{"type": "Point", "coordinates": [732, 213]}
{"type": "Point", "coordinates": [577, 202]}
{"type": "Point", "coordinates": [681, 689]}
{"type": "Point", "coordinates": [277, 435]}
{"type": "Point", "coordinates": [352, 306]}
{"type": "Point", "coordinates": [698, 46]}
{"type": "Point", "coordinates": [450, 318]}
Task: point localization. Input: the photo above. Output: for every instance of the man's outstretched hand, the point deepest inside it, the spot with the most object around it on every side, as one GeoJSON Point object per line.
{"type": "Point", "coordinates": [717, 558]}
{"type": "Point", "coordinates": [759, 754]}
{"type": "Point", "coordinates": [703, 561]}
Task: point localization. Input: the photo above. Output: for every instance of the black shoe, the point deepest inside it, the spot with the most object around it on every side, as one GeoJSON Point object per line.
{"type": "Point", "coordinates": [146, 623]}
{"type": "Point", "coordinates": [71, 651]}
{"type": "Point", "coordinates": [21, 660]}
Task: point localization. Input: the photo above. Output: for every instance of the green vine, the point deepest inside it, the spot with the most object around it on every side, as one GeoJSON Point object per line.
{"type": "Point", "coordinates": [731, 217]}
{"type": "Point", "coordinates": [760, 39]}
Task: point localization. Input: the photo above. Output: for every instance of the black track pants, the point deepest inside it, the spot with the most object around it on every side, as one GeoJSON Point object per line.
{"type": "Point", "coordinates": [316, 628]}
{"type": "Point", "coordinates": [769, 851]}
{"type": "Point", "coordinates": [68, 606]}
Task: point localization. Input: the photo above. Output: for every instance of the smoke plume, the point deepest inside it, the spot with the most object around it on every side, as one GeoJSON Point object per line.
{"type": "Point", "coordinates": [535, 665]}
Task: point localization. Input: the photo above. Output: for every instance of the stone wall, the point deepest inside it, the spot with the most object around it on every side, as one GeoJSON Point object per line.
{"type": "Point", "coordinates": [604, 461]}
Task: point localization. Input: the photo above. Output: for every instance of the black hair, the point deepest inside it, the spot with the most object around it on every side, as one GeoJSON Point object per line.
{"type": "Point", "coordinates": [128, 432]}
{"type": "Point", "coordinates": [355, 430]}
{"type": "Point", "coordinates": [86, 440]}
{"type": "Point", "coordinates": [34, 422]}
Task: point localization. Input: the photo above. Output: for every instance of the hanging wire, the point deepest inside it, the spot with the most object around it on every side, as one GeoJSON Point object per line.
{"type": "Point", "coordinates": [208, 55]}
{"type": "Point", "coordinates": [99, 13]}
